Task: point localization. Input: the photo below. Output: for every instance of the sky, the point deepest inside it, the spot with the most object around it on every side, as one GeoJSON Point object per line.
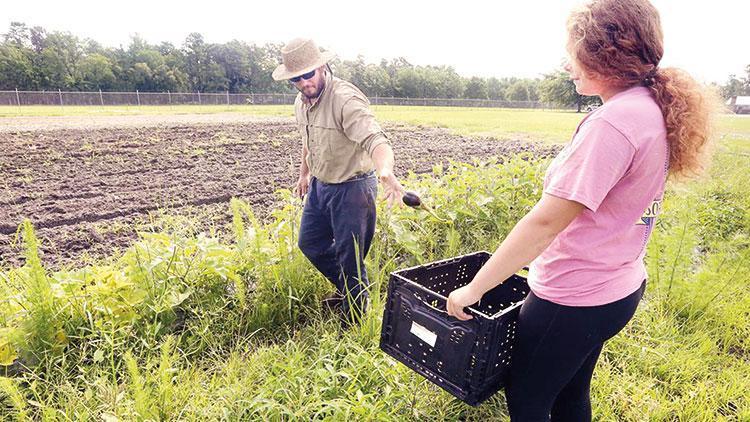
{"type": "Point", "coordinates": [522, 38]}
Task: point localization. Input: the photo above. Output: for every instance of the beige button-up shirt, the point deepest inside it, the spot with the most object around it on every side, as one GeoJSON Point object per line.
{"type": "Point", "coordinates": [339, 131]}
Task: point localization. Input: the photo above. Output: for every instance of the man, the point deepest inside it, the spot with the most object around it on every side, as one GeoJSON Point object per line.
{"type": "Point", "coordinates": [342, 147]}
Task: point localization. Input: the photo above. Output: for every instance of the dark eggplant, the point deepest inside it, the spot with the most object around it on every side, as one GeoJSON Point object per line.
{"type": "Point", "coordinates": [411, 199]}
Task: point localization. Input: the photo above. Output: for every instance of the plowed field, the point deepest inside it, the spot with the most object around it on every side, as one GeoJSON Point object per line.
{"type": "Point", "coordinates": [87, 186]}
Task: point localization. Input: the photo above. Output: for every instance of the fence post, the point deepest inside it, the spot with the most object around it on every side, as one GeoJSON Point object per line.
{"type": "Point", "coordinates": [59, 92]}
{"type": "Point", "coordinates": [18, 99]}
{"type": "Point", "coordinates": [138, 97]}
{"type": "Point", "coordinates": [227, 97]}
{"type": "Point", "coordinates": [101, 99]}
{"type": "Point", "coordinates": [169, 95]}
{"type": "Point", "coordinates": [199, 98]}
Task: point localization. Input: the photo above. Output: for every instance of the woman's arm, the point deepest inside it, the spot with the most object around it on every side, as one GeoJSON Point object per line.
{"type": "Point", "coordinates": [528, 239]}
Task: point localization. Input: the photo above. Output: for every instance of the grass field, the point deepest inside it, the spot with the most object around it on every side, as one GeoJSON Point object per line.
{"type": "Point", "coordinates": [547, 125]}
{"type": "Point", "coordinates": [553, 126]}
{"type": "Point", "coordinates": [184, 327]}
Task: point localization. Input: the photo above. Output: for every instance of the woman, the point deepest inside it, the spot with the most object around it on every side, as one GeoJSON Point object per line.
{"type": "Point", "coordinates": [587, 235]}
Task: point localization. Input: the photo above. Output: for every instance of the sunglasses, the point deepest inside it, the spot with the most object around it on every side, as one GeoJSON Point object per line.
{"type": "Point", "coordinates": [305, 76]}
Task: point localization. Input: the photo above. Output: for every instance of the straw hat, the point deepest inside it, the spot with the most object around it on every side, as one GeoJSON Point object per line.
{"type": "Point", "coordinates": [300, 56]}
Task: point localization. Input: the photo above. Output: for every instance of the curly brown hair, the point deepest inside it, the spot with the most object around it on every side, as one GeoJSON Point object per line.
{"type": "Point", "coordinates": [620, 42]}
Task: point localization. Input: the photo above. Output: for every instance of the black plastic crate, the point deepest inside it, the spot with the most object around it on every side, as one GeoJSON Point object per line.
{"type": "Point", "coordinates": [469, 359]}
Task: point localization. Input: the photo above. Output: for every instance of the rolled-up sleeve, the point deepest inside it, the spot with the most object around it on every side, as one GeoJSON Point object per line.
{"type": "Point", "coordinates": [360, 126]}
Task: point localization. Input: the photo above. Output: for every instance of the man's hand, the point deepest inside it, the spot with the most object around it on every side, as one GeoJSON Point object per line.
{"type": "Point", "coordinates": [461, 298]}
{"type": "Point", "coordinates": [393, 191]}
{"type": "Point", "coordinates": [302, 186]}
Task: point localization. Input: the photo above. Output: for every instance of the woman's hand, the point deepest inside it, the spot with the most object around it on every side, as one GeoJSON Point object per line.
{"type": "Point", "coordinates": [461, 298]}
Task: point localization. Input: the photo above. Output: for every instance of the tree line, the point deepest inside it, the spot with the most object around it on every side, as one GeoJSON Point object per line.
{"type": "Point", "coordinates": [31, 58]}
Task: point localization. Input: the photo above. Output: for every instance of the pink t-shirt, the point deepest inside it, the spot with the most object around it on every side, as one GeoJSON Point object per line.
{"type": "Point", "coordinates": [616, 166]}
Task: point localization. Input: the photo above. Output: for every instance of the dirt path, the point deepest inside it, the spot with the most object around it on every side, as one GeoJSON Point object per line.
{"type": "Point", "coordinates": [87, 122]}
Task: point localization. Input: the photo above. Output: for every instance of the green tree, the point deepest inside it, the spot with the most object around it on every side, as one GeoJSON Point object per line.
{"type": "Point", "coordinates": [234, 59]}
{"type": "Point", "coordinates": [424, 81]}
{"type": "Point", "coordinates": [429, 81]}
{"type": "Point", "coordinates": [141, 76]}
{"type": "Point", "coordinates": [37, 35]}
{"type": "Point", "coordinates": [532, 87]}
{"type": "Point", "coordinates": [371, 79]}
{"type": "Point", "coordinates": [167, 78]}
{"type": "Point", "coordinates": [171, 76]}
{"type": "Point", "coordinates": [341, 69]}
{"type": "Point", "coordinates": [204, 74]}
{"type": "Point", "coordinates": [518, 91]}
{"type": "Point", "coordinates": [375, 81]}
{"type": "Point", "coordinates": [18, 35]}
{"type": "Point", "coordinates": [95, 72]}
{"type": "Point", "coordinates": [144, 61]}
{"type": "Point", "coordinates": [732, 87]}
{"type": "Point", "coordinates": [263, 60]}
{"type": "Point", "coordinates": [408, 83]}
{"type": "Point", "coordinates": [394, 66]}
{"type": "Point", "coordinates": [736, 85]}
{"type": "Point", "coordinates": [447, 83]}
{"type": "Point", "coordinates": [476, 88]}
{"type": "Point", "coordinates": [356, 70]}
{"type": "Point", "coordinates": [146, 67]}
{"type": "Point", "coordinates": [495, 89]}
{"type": "Point", "coordinates": [557, 88]}
{"type": "Point", "coordinates": [57, 60]}
{"type": "Point", "coordinates": [16, 68]}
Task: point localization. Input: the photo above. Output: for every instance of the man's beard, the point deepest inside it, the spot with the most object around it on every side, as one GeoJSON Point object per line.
{"type": "Point", "coordinates": [318, 90]}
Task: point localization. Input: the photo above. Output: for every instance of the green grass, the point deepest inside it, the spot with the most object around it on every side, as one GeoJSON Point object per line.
{"type": "Point", "coordinates": [262, 350]}
{"type": "Point", "coordinates": [549, 125]}
{"type": "Point", "coordinates": [738, 124]}
{"type": "Point", "coordinates": [546, 125]}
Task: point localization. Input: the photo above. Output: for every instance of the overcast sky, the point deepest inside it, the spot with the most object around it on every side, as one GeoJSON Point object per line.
{"type": "Point", "coordinates": [523, 38]}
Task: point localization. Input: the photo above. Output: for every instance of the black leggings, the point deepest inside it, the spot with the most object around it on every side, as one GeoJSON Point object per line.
{"type": "Point", "coordinates": [554, 356]}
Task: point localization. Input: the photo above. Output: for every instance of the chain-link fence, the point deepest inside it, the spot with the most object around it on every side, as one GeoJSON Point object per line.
{"type": "Point", "coordinates": [76, 98]}
{"type": "Point", "coordinates": [456, 102]}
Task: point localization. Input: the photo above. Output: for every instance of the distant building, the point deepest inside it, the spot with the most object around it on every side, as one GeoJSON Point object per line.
{"type": "Point", "coordinates": [739, 104]}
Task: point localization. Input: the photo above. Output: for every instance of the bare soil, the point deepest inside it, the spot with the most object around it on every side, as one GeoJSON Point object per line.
{"type": "Point", "coordinates": [88, 183]}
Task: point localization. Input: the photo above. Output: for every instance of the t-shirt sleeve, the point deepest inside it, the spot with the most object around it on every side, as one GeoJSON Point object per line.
{"type": "Point", "coordinates": [586, 170]}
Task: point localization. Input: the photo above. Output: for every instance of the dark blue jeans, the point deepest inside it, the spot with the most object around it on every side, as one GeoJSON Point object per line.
{"type": "Point", "coordinates": [337, 227]}
{"type": "Point", "coordinates": [554, 356]}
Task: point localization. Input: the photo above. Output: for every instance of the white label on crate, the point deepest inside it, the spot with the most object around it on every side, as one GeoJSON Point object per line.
{"type": "Point", "coordinates": [424, 334]}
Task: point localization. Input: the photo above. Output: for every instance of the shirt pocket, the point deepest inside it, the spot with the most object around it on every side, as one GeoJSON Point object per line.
{"type": "Point", "coordinates": [333, 143]}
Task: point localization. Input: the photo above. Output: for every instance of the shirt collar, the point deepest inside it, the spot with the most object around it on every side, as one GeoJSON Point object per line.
{"type": "Point", "coordinates": [633, 90]}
